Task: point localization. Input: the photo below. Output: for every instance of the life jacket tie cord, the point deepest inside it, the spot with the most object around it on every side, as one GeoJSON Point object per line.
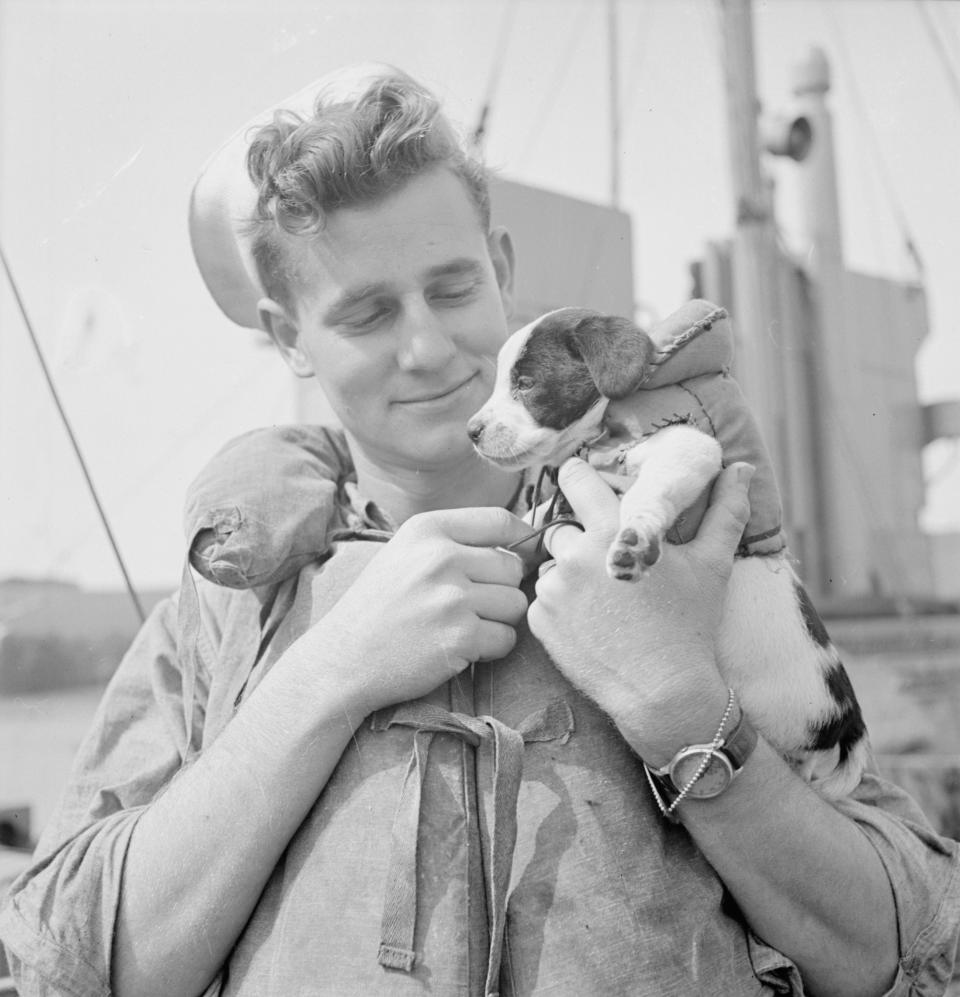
{"type": "Point", "coordinates": [499, 767]}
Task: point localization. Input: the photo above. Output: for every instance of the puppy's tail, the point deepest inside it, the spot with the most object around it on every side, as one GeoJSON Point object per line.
{"type": "Point", "coordinates": [827, 773]}
{"type": "Point", "coordinates": [838, 749]}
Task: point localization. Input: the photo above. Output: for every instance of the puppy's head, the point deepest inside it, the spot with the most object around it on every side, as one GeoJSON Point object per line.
{"type": "Point", "coordinates": [554, 378]}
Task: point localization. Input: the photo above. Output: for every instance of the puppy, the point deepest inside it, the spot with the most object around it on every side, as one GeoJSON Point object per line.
{"type": "Point", "coordinates": [661, 411]}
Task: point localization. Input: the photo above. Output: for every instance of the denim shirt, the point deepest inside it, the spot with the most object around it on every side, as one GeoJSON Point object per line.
{"type": "Point", "coordinates": [599, 894]}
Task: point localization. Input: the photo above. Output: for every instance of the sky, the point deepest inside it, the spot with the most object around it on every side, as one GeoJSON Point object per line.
{"type": "Point", "coordinates": [109, 109]}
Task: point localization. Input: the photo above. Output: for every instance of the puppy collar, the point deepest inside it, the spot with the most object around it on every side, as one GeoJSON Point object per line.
{"type": "Point", "coordinates": [584, 449]}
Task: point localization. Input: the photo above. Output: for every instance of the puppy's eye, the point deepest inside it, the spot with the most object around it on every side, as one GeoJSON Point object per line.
{"type": "Point", "coordinates": [524, 383]}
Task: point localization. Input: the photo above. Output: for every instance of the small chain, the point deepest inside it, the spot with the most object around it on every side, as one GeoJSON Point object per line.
{"type": "Point", "coordinates": [667, 811]}
{"type": "Point", "coordinates": [556, 514]}
{"type": "Point", "coordinates": [559, 521]}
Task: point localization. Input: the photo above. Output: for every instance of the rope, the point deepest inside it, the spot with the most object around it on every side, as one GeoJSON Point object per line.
{"type": "Point", "coordinates": [857, 99]}
{"type": "Point", "coordinates": [937, 42]}
{"type": "Point", "coordinates": [496, 71]}
{"type": "Point", "coordinates": [135, 486]}
{"type": "Point", "coordinates": [70, 434]}
{"type": "Point", "coordinates": [565, 62]}
{"type": "Point", "coordinates": [638, 63]}
{"type": "Point", "coordinates": [947, 28]}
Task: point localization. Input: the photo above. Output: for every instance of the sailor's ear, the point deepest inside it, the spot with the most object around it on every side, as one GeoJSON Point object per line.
{"type": "Point", "coordinates": [286, 335]}
{"type": "Point", "coordinates": [500, 247]}
{"type": "Point", "coordinates": [617, 353]}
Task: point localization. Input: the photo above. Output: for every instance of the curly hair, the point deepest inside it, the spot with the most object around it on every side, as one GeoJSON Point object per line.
{"type": "Point", "coordinates": [348, 153]}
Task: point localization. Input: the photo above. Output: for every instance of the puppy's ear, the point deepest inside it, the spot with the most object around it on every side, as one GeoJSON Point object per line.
{"type": "Point", "coordinates": [617, 353]}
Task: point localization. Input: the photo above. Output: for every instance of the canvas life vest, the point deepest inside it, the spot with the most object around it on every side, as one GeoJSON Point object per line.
{"type": "Point", "coordinates": [496, 836]}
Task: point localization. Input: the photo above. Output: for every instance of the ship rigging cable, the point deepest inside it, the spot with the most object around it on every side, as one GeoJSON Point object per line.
{"type": "Point", "coordinates": [70, 434]}
{"type": "Point", "coordinates": [552, 92]}
{"type": "Point", "coordinates": [948, 33]}
{"type": "Point", "coordinates": [496, 72]}
{"type": "Point", "coordinates": [857, 100]}
{"type": "Point", "coordinates": [936, 40]}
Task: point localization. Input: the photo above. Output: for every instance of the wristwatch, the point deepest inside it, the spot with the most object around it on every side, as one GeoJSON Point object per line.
{"type": "Point", "coordinates": [721, 764]}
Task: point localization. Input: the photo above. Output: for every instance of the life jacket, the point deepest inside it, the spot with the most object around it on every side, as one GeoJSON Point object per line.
{"type": "Point", "coordinates": [497, 836]}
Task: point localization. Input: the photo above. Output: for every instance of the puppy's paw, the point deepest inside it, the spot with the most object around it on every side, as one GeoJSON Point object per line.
{"type": "Point", "coordinates": [633, 552]}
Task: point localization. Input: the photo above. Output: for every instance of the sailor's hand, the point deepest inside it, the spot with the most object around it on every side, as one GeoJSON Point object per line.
{"type": "Point", "coordinates": [441, 594]}
{"type": "Point", "coordinates": [645, 651]}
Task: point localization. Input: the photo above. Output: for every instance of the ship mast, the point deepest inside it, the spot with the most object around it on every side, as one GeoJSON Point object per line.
{"type": "Point", "coordinates": [614, 63]}
{"type": "Point", "coordinates": [755, 248]}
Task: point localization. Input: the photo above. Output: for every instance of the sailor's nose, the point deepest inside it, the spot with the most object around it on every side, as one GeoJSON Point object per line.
{"type": "Point", "coordinates": [475, 429]}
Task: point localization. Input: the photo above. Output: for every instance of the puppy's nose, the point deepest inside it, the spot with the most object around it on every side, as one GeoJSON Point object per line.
{"type": "Point", "coordinates": [475, 429]}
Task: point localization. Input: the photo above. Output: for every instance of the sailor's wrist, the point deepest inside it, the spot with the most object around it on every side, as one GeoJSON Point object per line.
{"type": "Point", "coordinates": [325, 680]}
{"type": "Point", "coordinates": [688, 716]}
{"type": "Point", "coordinates": [705, 770]}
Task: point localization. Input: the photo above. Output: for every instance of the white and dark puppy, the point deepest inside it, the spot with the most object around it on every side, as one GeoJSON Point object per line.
{"type": "Point", "coordinates": [561, 381]}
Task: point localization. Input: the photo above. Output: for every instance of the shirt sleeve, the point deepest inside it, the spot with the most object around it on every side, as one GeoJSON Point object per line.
{"type": "Point", "coordinates": [58, 920]}
{"type": "Point", "coordinates": [924, 873]}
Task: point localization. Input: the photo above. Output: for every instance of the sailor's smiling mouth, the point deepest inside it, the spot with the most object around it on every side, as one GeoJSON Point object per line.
{"type": "Point", "coordinates": [440, 396]}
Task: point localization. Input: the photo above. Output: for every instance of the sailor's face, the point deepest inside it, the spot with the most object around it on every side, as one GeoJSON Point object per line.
{"type": "Point", "coordinates": [403, 318]}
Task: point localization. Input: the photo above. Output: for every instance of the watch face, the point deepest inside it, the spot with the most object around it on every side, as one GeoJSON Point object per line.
{"type": "Point", "coordinates": [715, 779]}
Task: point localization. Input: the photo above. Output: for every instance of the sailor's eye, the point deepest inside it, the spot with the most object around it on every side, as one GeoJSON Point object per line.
{"type": "Point", "coordinates": [524, 383]}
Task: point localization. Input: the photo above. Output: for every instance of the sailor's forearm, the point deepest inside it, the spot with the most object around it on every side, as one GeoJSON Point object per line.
{"type": "Point", "coordinates": [807, 879]}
